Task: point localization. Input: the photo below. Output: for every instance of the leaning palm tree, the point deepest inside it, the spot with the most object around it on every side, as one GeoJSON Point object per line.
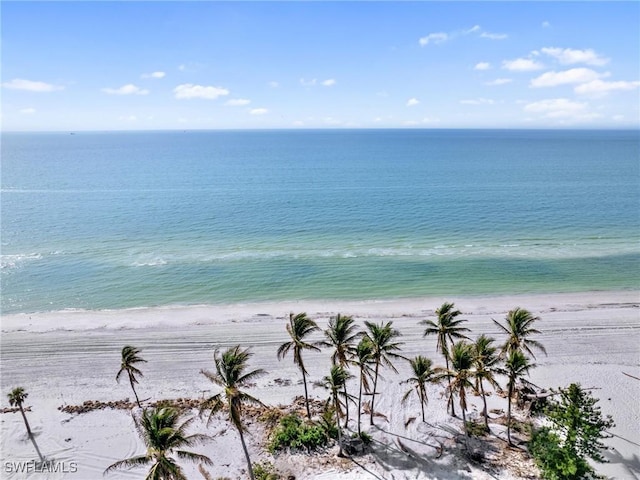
{"type": "Point", "coordinates": [518, 327]}
{"type": "Point", "coordinates": [299, 327]}
{"type": "Point", "coordinates": [447, 328]}
{"type": "Point", "coordinates": [363, 360]}
{"type": "Point", "coordinates": [461, 374]}
{"type": "Point", "coordinates": [485, 363]}
{"type": "Point", "coordinates": [423, 373]}
{"type": "Point", "coordinates": [163, 436]}
{"type": "Point", "coordinates": [17, 396]}
{"type": "Point", "coordinates": [342, 334]}
{"type": "Point", "coordinates": [335, 381]}
{"type": "Point", "coordinates": [382, 338]}
{"type": "Point", "coordinates": [128, 364]}
{"type": "Point", "coordinates": [231, 375]}
{"type": "Point", "coordinates": [516, 367]}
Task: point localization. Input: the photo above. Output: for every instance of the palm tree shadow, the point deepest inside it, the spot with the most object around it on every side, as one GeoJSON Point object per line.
{"type": "Point", "coordinates": [632, 464]}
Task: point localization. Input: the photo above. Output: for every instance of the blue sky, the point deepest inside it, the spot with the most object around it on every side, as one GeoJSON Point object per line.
{"type": "Point", "coordinates": [211, 65]}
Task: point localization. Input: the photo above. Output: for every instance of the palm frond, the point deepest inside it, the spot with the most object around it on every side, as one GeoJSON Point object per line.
{"type": "Point", "coordinates": [132, 462]}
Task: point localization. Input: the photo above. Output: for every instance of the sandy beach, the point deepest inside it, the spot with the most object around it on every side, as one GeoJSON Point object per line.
{"type": "Point", "coordinates": [68, 357]}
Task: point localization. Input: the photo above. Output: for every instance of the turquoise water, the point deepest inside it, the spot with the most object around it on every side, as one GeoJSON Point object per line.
{"type": "Point", "coordinates": [115, 220]}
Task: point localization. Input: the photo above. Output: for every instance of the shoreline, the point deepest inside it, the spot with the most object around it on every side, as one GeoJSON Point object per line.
{"type": "Point", "coordinates": [203, 314]}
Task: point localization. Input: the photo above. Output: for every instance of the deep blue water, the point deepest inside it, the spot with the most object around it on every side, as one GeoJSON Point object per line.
{"type": "Point", "coordinates": [115, 220]}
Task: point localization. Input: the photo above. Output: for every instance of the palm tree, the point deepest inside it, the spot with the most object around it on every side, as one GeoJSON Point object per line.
{"type": "Point", "coordinates": [460, 375]}
{"type": "Point", "coordinates": [299, 327]}
{"type": "Point", "coordinates": [384, 348]}
{"type": "Point", "coordinates": [447, 328]}
{"type": "Point", "coordinates": [516, 367]}
{"type": "Point", "coordinates": [230, 374]}
{"type": "Point", "coordinates": [363, 360]}
{"type": "Point", "coordinates": [485, 363]}
{"type": "Point", "coordinates": [335, 381]}
{"type": "Point", "coordinates": [519, 327]}
{"type": "Point", "coordinates": [17, 396]}
{"type": "Point", "coordinates": [341, 335]}
{"type": "Point", "coordinates": [423, 373]}
{"type": "Point", "coordinates": [129, 359]}
{"type": "Point", "coordinates": [163, 436]}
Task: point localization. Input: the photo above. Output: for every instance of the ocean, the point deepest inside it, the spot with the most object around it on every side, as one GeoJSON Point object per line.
{"type": "Point", "coordinates": [112, 220]}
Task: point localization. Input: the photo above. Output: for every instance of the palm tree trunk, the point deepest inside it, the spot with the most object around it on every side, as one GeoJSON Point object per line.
{"type": "Point", "coordinates": [29, 433]}
{"type": "Point", "coordinates": [306, 393]}
{"type": "Point", "coordinates": [484, 408]}
{"type": "Point", "coordinates": [24, 417]}
{"type": "Point", "coordinates": [246, 453]}
{"type": "Point", "coordinates": [422, 395]}
{"type": "Point", "coordinates": [335, 406]}
{"type": "Point", "coordinates": [346, 405]}
{"type": "Point", "coordinates": [509, 415]}
{"type": "Point", "coordinates": [359, 402]}
{"type": "Point", "coordinates": [453, 410]}
{"type": "Point", "coordinates": [464, 418]}
{"type": "Point", "coordinates": [373, 395]}
{"type": "Point", "coordinates": [134, 390]}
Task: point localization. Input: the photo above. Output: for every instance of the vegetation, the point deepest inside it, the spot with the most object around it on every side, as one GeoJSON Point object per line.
{"type": "Point", "coordinates": [163, 437]}
{"type": "Point", "coordinates": [294, 433]}
{"type": "Point", "coordinates": [299, 327]}
{"type": "Point", "coordinates": [335, 381]}
{"type": "Point", "coordinates": [577, 428]}
{"type": "Point", "coordinates": [485, 361]}
{"type": "Point", "coordinates": [231, 375]}
{"type": "Point", "coordinates": [363, 360]}
{"type": "Point", "coordinates": [17, 396]}
{"type": "Point", "coordinates": [265, 471]}
{"type": "Point", "coordinates": [516, 367]}
{"type": "Point", "coordinates": [128, 364]}
{"type": "Point", "coordinates": [447, 328]}
{"type": "Point", "coordinates": [423, 373]}
{"type": "Point", "coordinates": [384, 349]}
{"type": "Point", "coordinates": [519, 328]}
{"type": "Point", "coordinates": [460, 375]}
{"type": "Point", "coordinates": [342, 334]}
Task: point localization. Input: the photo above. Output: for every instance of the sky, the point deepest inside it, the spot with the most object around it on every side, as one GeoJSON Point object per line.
{"type": "Point", "coordinates": [232, 65]}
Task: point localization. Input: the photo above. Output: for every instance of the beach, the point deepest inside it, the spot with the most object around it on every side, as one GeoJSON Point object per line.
{"type": "Point", "coordinates": [68, 357]}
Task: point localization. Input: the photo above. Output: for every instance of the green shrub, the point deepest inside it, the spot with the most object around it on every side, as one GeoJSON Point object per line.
{"type": "Point", "coordinates": [293, 432]}
{"type": "Point", "coordinates": [265, 471]}
{"type": "Point", "coordinates": [364, 436]}
{"type": "Point", "coordinates": [477, 429]}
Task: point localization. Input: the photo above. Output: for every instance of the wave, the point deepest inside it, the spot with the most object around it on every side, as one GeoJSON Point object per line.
{"type": "Point", "coordinates": [506, 250]}
{"type": "Point", "coordinates": [17, 260]}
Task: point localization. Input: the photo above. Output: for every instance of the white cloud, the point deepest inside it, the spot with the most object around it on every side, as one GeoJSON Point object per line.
{"type": "Point", "coordinates": [521, 65]}
{"type": "Point", "coordinates": [308, 83]}
{"type": "Point", "coordinates": [237, 102]}
{"type": "Point", "coordinates": [435, 38]}
{"type": "Point", "coordinates": [570, 56]}
{"type": "Point", "coordinates": [153, 75]}
{"type": "Point", "coordinates": [441, 37]}
{"type": "Point", "coordinates": [562, 109]}
{"type": "Point", "coordinates": [412, 102]}
{"type": "Point", "coordinates": [329, 82]}
{"type": "Point", "coordinates": [31, 86]}
{"type": "Point", "coordinates": [258, 111]}
{"type": "Point", "coordinates": [599, 88]}
{"type": "Point", "coordinates": [129, 89]}
{"type": "Point", "coordinates": [478, 101]}
{"type": "Point", "coordinates": [499, 81]}
{"type": "Point", "coordinates": [573, 75]}
{"type": "Point", "coordinates": [188, 91]}
{"type": "Point", "coordinates": [494, 36]}
{"type": "Point", "coordinates": [274, 84]}
{"type": "Point", "coordinates": [545, 24]}
{"type": "Point", "coordinates": [482, 66]}
{"type": "Point", "coordinates": [28, 111]}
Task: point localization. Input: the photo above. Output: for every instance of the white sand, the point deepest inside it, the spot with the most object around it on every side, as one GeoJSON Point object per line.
{"type": "Point", "coordinates": [69, 357]}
